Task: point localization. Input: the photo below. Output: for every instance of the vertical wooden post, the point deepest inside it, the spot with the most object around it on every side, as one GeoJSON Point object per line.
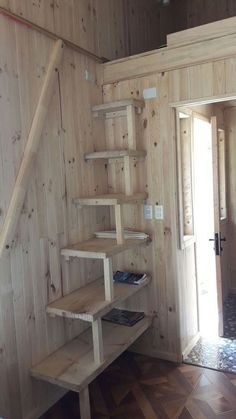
{"type": "Point", "coordinates": [84, 403]}
{"type": "Point", "coordinates": [108, 279]}
{"type": "Point", "coordinates": [128, 176]}
{"type": "Point", "coordinates": [97, 341]}
{"type": "Point", "coordinates": [119, 224]}
{"type": "Point", "coordinates": [31, 148]}
{"type": "Point", "coordinates": [131, 125]}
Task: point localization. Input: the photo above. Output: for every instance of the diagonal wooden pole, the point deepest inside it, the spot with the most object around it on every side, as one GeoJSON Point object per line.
{"type": "Point", "coordinates": [31, 148]}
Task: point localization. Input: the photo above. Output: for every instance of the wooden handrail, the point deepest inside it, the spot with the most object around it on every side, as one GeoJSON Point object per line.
{"type": "Point", "coordinates": [30, 152]}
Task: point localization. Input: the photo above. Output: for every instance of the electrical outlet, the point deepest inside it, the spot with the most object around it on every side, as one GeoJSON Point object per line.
{"type": "Point", "coordinates": [159, 212]}
{"type": "Point", "coordinates": [148, 212]}
{"type": "Point", "coordinates": [90, 77]}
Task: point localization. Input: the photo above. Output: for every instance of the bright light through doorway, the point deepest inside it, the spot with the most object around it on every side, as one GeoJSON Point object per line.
{"type": "Point", "coordinates": [204, 228]}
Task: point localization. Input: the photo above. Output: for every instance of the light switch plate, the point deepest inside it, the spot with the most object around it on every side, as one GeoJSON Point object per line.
{"type": "Point", "coordinates": [159, 212]}
{"type": "Point", "coordinates": [148, 212]}
{"type": "Point", "coordinates": [150, 93]}
{"type": "Point", "coordinates": [90, 77]}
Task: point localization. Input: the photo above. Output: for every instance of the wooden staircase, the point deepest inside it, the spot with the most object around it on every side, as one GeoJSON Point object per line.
{"type": "Point", "coordinates": [78, 362]}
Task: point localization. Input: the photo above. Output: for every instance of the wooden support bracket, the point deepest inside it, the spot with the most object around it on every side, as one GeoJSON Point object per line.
{"type": "Point", "coordinates": [97, 341]}
{"type": "Point", "coordinates": [108, 279]}
{"type": "Point", "coordinates": [129, 190]}
{"type": "Point", "coordinates": [131, 125]}
{"type": "Point", "coordinates": [119, 224]}
{"type": "Point", "coordinates": [31, 148]}
{"type": "Point", "coordinates": [84, 404]}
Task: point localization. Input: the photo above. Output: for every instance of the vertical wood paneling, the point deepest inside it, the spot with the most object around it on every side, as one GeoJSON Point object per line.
{"type": "Point", "coordinates": [173, 270]}
{"type": "Point", "coordinates": [31, 272]}
{"type": "Point", "coordinates": [155, 172]}
{"type": "Point", "coordinates": [200, 12]}
{"type": "Point", "coordinates": [230, 128]}
{"type": "Point", "coordinates": [108, 28]}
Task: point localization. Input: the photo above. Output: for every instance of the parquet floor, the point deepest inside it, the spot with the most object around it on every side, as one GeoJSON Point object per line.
{"type": "Point", "coordinates": [139, 387]}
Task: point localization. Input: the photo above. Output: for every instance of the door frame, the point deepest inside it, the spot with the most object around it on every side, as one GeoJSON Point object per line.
{"type": "Point", "coordinates": [175, 106]}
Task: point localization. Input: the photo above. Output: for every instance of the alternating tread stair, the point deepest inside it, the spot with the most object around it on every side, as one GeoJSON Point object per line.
{"type": "Point", "coordinates": [78, 362]}
{"type": "Point", "coordinates": [73, 366]}
{"type": "Point", "coordinates": [115, 154]}
{"type": "Point", "coordinates": [112, 199]}
{"type": "Point", "coordinates": [88, 304]}
{"type": "Point", "coordinates": [113, 109]}
{"type": "Point", "coordinates": [100, 248]}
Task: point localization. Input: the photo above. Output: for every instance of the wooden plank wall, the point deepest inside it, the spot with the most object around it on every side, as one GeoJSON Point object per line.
{"type": "Point", "coordinates": [185, 14]}
{"type": "Point", "coordinates": [196, 83]}
{"type": "Point", "coordinates": [173, 269]}
{"type": "Point", "coordinates": [156, 172]}
{"type": "Point", "coordinates": [31, 272]}
{"type": "Point", "coordinates": [132, 26]}
{"type": "Point", "coordinates": [199, 12]}
{"type": "Point", "coordinates": [108, 28]}
{"type": "Point", "coordinates": [144, 25]}
{"type": "Point", "coordinates": [230, 126]}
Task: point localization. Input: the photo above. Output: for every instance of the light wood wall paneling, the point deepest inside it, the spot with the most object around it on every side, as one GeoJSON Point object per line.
{"type": "Point", "coordinates": [170, 58]}
{"type": "Point", "coordinates": [31, 148]}
{"type": "Point", "coordinates": [206, 32]}
{"type": "Point", "coordinates": [132, 26]}
{"type": "Point", "coordinates": [230, 127]}
{"type": "Point", "coordinates": [31, 273]}
{"type": "Point", "coordinates": [146, 15]}
{"type": "Point", "coordinates": [152, 129]}
{"type": "Point", "coordinates": [107, 28]}
{"type": "Point", "coordinates": [9, 373]}
{"type": "Point", "coordinates": [191, 14]}
{"type": "Point", "coordinates": [201, 12]}
{"type": "Point", "coordinates": [198, 81]}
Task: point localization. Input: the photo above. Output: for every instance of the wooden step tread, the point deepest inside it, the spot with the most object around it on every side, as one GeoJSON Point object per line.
{"type": "Point", "coordinates": [112, 199]}
{"type": "Point", "coordinates": [114, 154]}
{"type": "Point", "coordinates": [88, 304]}
{"type": "Point", "coordinates": [101, 248]}
{"type": "Point", "coordinates": [119, 105]}
{"type": "Point", "coordinates": [73, 367]}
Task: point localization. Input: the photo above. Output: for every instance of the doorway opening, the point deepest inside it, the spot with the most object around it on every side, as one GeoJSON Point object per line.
{"type": "Point", "coordinates": [206, 160]}
{"type": "Point", "coordinates": [204, 226]}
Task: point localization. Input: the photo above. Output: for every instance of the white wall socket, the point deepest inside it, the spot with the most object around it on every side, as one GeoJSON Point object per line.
{"type": "Point", "coordinates": [148, 212]}
{"type": "Point", "coordinates": [159, 212]}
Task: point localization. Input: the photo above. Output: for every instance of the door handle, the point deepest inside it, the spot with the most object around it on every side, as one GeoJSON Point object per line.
{"type": "Point", "coordinates": [222, 240]}
{"type": "Point", "coordinates": [216, 244]}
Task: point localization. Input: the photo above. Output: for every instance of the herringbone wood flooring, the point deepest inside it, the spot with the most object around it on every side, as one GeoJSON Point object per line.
{"type": "Point", "coordinates": [139, 387]}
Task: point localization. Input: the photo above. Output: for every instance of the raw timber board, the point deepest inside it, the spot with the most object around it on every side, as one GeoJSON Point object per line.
{"type": "Point", "coordinates": [72, 366]}
{"type": "Point", "coordinates": [112, 199]}
{"type": "Point", "coordinates": [102, 110]}
{"type": "Point", "coordinates": [98, 27]}
{"type": "Point", "coordinates": [101, 248]}
{"type": "Point", "coordinates": [115, 154]}
{"type": "Point", "coordinates": [87, 303]}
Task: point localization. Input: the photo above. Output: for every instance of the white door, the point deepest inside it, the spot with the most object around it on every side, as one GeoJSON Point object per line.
{"type": "Point", "coordinates": [217, 239]}
{"type": "Point", "coordinates": [204, 226]}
